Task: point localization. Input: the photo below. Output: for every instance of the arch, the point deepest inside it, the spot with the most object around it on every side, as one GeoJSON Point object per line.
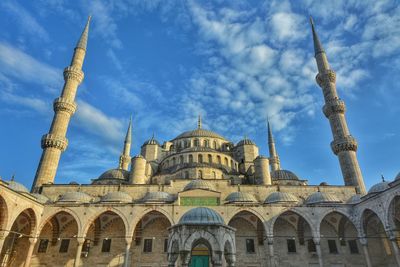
{"type": "Point", "coordinates": [219, 159]}
{"type": "Point", "coordinates": [392, 220]}
{"type": "Point", "coordinates": [202, 235]}
{"type": "Point", "coordinates": [101, 212]}
{"type": "Point", "coordinates": [200, 174]}
{"type": "Point", "coordinates": [293, 210]}
{"type": "Point", "coordinates": [190, 158]}
{"type": "Point", "coordinates": [146, 212]}
{"type": "Point", "coordinates": [252, 211]}
{"type": "Point", "coordinates": [210, 158]}
{"type": "Point", "coordinates": [334, 210]}
{"type": "Point", "coordinates": [200, 158]}
{"type": "Point", "coordinates": [3, 212]}
{"type": "Point", "coordinates": [181, 161]}
{"type": "Point", "coordinates": [66, 210]}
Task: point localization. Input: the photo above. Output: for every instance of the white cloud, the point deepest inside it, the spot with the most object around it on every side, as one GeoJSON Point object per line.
{"type": "Point", "coordinates": [287, 26]}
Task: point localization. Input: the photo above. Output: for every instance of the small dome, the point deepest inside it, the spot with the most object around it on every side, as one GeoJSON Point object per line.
{"type": "Point", "coordinates": [151, 141]}
{"type": "Point", "coordinates": [17, 187]}
{"type": "Point", "coordinates": [115, 174]}
{"type": "Point", "coordinates": [379, 187]}
{"type": "Point", "coordinates": [354, 199]}
{"type": "Point", "coordinates": [245, 141]}
{"type": "Point", "coordinates": [321, 198]}
{"type": "Point", "coordinates": [240, 197]}
{"type": "Point", "coordinates": [261, 157]}
{"type": "Point", "coordinates": [280, 197]}
{"type": "Point", "coordinates": [202, 216]}
{"type": "Point", "coordinates": [79, 197]}
{"type": "Point", "coordinates": [283, 175]}
{"type": "Point", "coordinates": [117, 196]}
{"type": "Point", "coordinates": [41, 198]}
{"type": "Point", "coordinates": [158, 197]}
{"type": "Point", "coordinates": [199, 184]}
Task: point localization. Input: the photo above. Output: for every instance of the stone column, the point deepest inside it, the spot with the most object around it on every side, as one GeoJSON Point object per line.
{"type": "Point", "coordinates": [2, 238]}
{"type": "Point", "coordinates": [185, 258]}
{"type": "Point", "coordinates": [270, 241]}
{"type": "Point", "coordinates": [395, 247]}
{"type": "Point", "coordinates": [80, 241]}
{"type": "Point", "coordinates": [317, 242]}
{"type": "Point", "coordinates": [128, 241]}
{"type": "Point", "coordinates": [32, 242]}
{"type": "Point", "coordinates": [364, 244]}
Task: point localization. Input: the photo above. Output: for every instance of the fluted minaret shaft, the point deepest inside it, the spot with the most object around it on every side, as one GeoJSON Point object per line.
{"type": "Point", "coordinates": [125, 157]}
{"type": "Point", "coordinates": [273, 155]}
{"type": "Point", "coordinates": [343, 144]}
{"type": "Point", "coordinates": [55, 142]}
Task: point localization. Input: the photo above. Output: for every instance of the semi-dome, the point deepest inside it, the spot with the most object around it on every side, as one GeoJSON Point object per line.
{"type": "Point", "coordinates": [379, 187]}
{"type": "Point", "coordinates": [157, 197]}
{"type": "Point", "coordinates": [114, 174]}
{"type": "Point", "coordinates": [354, 199]}
{"type": "Point", "coordinates": [199, 184]}
{"type": "Point", "coordinates": [202, 216]}
{"type": "Point", "coordinates": [117, 196]}
{"type": "Point", "coordinates": [283, 175]}
{"type": "Point", "coordinates": [17, 187]}
{"type": "Point", "coordinates": [240, 197]}
{"type": "Point", "coordinates": [199, 133]}
{"type": "Point", "coordinates": [281, 197]}
{"type": "Point", "coordinates": [245, 141]}
{"type": "Point", "coordinates": [79, 197]}
{"type": "Point", "coordinates": [321, 198]}
{"type": "Point", "coordinates": [41, 198]}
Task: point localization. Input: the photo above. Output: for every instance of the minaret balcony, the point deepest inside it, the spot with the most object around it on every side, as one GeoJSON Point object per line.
{"type": "Point", "coordinates": [73, 73]}
{"type": "Point", "coordinates": [334, 106]}
{"type": "Point", "coordinates": [325, 78]}
{"type": "Point", "coordinates": [54, 141]}
{"type": "Point", "coordinates": [64, 105]}
{"type": "Point", "coordinates": [347, 143]}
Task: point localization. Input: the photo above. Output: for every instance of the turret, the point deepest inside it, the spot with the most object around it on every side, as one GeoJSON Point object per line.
{"type": "Point", "coordinates": [343, 144]}
{"type": "Point", "coordinates": [262, 174]}
{"type": "Point", "coordinates": [125, 157]}
{"type": "Point", "coordinates": [273, 155]}
{"type": "Point", "coordinates": [55, 142]}
{"type": "Point", "coordinates": [138, 170]}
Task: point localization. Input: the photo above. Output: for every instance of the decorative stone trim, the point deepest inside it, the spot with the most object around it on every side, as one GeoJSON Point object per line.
{"type": "Point", "coordinates": [323, 79]}
{"type": "Point", "coordinates": [347, 143]}
{"type": "Point", "coordinates": [334, 106]}
{"type": "Point", "coordinates": [62, 104]}
{"type": "Point", "coordinates": [51, 140]}
{"type": "Point", "coordinates": [72, 73]}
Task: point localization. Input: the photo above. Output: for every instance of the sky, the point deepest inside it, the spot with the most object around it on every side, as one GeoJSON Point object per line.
{"type": "Point", "coordinates": [234, 62]}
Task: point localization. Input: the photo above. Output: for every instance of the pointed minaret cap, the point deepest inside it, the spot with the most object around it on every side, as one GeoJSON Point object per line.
{"type": "Point", "coordinates": [82, 43]}
{"type": "Point", "coordinates": [270, 136]}
{"type": "Point", "coordinates": [128, 137]}
{"type": "Point", "coordinates": [317, 44]}
{"type": "Point", "coordinates": [199, 122]}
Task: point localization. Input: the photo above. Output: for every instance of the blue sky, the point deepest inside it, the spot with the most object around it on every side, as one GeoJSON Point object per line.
{"type": "Point", "coordinates": [235, 62]}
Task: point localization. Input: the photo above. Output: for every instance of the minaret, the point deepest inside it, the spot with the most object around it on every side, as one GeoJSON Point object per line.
{"type": "Point", "coordinates": [55, 142]}
{"type": "Point", "coordinates": [125, 157]}
{"type": "Point", "coordinates": [199, 122]}
{"type": "Point", "coordinates": [273, 156]}
{"type": "Point", "coordinates": [343, 144]}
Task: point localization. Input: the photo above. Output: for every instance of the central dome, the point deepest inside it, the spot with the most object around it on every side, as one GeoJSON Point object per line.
{"type": "Point", "coordinates": [200, 133]}
{"type": "Point", "coordinates": [199, 184]}
{"type": "Point", "coordinates": [203, 216]}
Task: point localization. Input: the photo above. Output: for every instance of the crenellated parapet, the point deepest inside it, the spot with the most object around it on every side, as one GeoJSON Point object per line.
{"type": "Point", "coordinates": [333, 107]}
{"type": "Point", "coordinates": [73, 73]}
{"type": "Point", "coordinates": [325, 78]}
{"type": "Point", "coordinates": [54, 141]}
{"type": "Point", "coordinates": [347, 143]}
{"type": "Point", "coordinates": [61, 104]}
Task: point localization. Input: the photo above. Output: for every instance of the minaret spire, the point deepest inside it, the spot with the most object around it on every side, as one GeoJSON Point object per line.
{"type": "Point", "coordinates": [55, 142]}
{"type": "Point", "coordinates": [343, 144]}
{"type": "Point", "coordinates": [273, 155]}
{"type": "Point", "coordinates": [199, 122]}
{"type": "Point", "coordinates": [125, 157]}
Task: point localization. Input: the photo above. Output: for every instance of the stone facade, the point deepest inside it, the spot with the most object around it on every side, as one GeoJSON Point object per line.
{"type": "Point", "coordinates": [199, 196]}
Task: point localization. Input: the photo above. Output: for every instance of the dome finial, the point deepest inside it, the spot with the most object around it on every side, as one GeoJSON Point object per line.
{"type": "Point", "coordinates": [13, 177]}
{"type": "Point", "coordinates": [383, 178]}
{"type": "Point", "coordinates": [199, 122]}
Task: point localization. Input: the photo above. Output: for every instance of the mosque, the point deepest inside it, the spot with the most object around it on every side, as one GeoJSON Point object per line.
{"type": "Point", "coordinates": [199, 200]}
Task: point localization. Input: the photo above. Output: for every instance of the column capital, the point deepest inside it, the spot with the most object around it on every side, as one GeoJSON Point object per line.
{"type": "Point", "coordinates": [128, 240]}
{"type": "Point", "coordinates": [80, 240]}
{"type": "Point", "coordinates": [33, 240]}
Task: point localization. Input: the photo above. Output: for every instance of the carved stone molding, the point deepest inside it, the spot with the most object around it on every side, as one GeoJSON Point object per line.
{"type": "Point", "coordinates": [323, 79]}
{"type": "Point", "coordinates": [334, 106]}
{"type": "Point", "coordinates": [62, 104]}
{"type": "Point", "coordinates": [347, 143]}
{"type": "Point", "coordinates": [51, 140]}
{"type": "Point", "coordinates": [72, 73]}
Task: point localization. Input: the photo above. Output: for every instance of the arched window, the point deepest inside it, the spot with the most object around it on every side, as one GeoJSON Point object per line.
{"type": "Point", "coordinates": [181, 159]}
{"type": "Point", "coordinates": [209, 158]}
{"type": "Point", "coordinates": [190, 158]}
{"type": "Point", "coordinates": [200, 176]}
{"type": "Point", "coordinates": [226, 162]}
{"type": "Point", "coordinates": [196, 142]}
{"type": "Point", "coordinates": [232, 166]}
{"type": "Point", "coordinates": [215, 144]}
{"type": "Point", "coordinates": [173, 161]}
{"type": "Point", "coordinates": [186, 175]}
{"type": "Point", "coordinates": [219, 159]}
{"type": "Point", "coordinates": [214, 175]}
{"type": "Point", "coordinates": [206, 143]}
{"type": "Point", "coordinates": [200, 158]}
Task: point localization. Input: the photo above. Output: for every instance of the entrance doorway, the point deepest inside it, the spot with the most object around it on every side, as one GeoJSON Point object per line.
{"type": "Point", "coordinates": [200, 256]}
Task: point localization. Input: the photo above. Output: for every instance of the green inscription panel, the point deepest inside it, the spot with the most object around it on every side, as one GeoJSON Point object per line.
{"type": "Point", "coordinates": [199, 201]}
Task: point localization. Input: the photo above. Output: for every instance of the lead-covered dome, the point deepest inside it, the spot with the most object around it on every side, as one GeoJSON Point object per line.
{"type": "Point", "coordinates": [151, 141]}
{"type": "Point", "coordinates": [157, 197]}
{"type": "Point", "coordinates": [117, 196]}
{"type": "Point", "coordinates": [78, 197]}
{"type": "Point", "coordinates": [201, 216]}
{"type": "Point", "coordinates": [240, 197]}
{"type": "Point", "coordinates": [115, 174]}
{"type": "Point", "coordinates": [321, 198]}
{"type": "Point", "coordinates": [354, 199]}
{"type": "Point", "coordinates": [245, 141]}
{"type": "Point", "coordinates": [379, 187]}
{"type": "Point", "coordinates": [199, 184]}
{"type": "Point", "coordinates": [283, 175]}
{"type": "Point", "coordinates": [199, 133]}
{"type": "Point", "coordinates": [41, 198]}
{"type": "Point", "coordinates": [17, 187]}
{"type": "Point", "coordinates": [281, 197]}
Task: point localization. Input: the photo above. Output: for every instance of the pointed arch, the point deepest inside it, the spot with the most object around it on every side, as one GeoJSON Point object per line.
{"type": "Point", "coordinates": [4, 212]}
{"type": "Point", "coordinates": [95, 216]}
{"type": "Point", "coordinates": [57, 211]}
